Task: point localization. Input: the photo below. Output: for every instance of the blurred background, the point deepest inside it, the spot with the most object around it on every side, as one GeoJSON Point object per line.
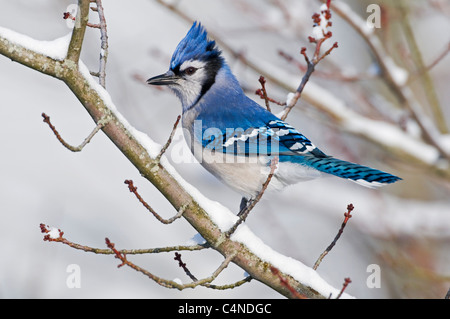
{"type": "Point", "coordinates": [403, 228]}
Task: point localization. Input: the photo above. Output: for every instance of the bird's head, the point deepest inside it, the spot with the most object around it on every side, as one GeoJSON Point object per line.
{"type": "Point", "coordinates": [193, 67]}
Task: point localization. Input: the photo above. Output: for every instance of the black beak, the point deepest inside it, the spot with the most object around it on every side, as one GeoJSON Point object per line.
{"type": "Point", "coordinates": [164, 79]}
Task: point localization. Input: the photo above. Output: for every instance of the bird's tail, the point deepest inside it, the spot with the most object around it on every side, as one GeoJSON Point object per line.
{"type": "Point", "coordinates": [366, 176]}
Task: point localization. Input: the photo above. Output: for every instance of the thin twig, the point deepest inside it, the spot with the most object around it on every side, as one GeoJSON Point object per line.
{"type": "Point", "coordinates": [78, 32]}
{"type": "Point", "coordinates": [344, 286]}
{"type": "Point", "coordinates": [101, 251]}
{"type": "Point", "coordinates": [334, 76]}
{"type": "Point", "coordinates": [108, 251]}
{"type": "Point", "coordinates": [327, 52]}
{"type": "Point", "coordinates": [100, 124]}
{"type": "Point", "coordinates": [298, 92]}
{"type": "Point", "coordinates": [230, 286]}
{"type": "Point", "coordinates": [246, 211]}
{"type": "Point", "coordinates": [164, 282]}
{"type": "Point", "coordinates": [101, 74]}
{"type": "Point", "coordinates": [311, 63]}
{"type": "Point", "coordinates": [49, 236]}
{"type": "Point", "coordinates": [68, 15]}
{"type": "Point", "coordinates": [166, 146]}
{"type": "Point", "coordinates": [181, 264]}
{"type": "Point", "coordinates": [262, 80]}
{"type": "Point", "coordinates": [286, 284]}
{"type": "Point", "coordinates": [347, 216]}
{"type": "Point", "coordinates": [104, 44]}
{"type": "Point", "coordinates": [441, 56]}
{"type": "Point", "coordinates": [261, 95]}
{"type": "Point", "coordinates": [133, 189]}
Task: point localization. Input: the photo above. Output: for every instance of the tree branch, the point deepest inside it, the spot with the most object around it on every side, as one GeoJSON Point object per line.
{"type": "Point", "coordinates": [347, 216]}
{"type": "Point", "coordinates": [169, 140]}
{"type": "Point", "coordinates": [321, 23]}
{"type": "Point", "coordinates": [133, 189]}
{"type": "Point", "coordinates": [164, 282]}
{"type": "Point", "coordinates": [106, 251]}
{"type": "Point", "coordinates": [28, 57]}
{"type": "Point", "coordinates": [76, 42]}
{"type": "Point", "coordinates": [104, 43]}
{"type": "Point", "coordinates": [347, 281]}
{"type": "Point", "coordinates": [64, 143]}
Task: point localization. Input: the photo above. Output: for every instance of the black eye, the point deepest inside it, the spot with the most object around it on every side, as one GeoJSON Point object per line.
{"type": "Point", "coordinates": [190, 70]}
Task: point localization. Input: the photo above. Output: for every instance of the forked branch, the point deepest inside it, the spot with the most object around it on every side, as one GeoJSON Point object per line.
{"type": "Point", "coordinates": [80, 147]}
{"type": "Point", "coordinates": [246, 211]}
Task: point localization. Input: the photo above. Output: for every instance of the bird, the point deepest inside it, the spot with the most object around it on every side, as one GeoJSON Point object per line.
{"type": "Point", "coordinates": [235, 138]}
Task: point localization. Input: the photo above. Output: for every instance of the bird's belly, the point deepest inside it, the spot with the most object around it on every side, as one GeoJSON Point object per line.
{"type": "Point", "coordinates": [246, 175]}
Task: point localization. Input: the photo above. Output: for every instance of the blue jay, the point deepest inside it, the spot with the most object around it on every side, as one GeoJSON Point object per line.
{"type": "Point", "coordinates": [235, 138]}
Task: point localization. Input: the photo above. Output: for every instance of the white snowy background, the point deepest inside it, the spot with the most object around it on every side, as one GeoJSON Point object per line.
{"type": "Point", "coordinates": [403, 228]}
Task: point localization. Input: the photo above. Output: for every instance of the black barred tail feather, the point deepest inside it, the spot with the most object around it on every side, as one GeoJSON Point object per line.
{"type": "Point", "coordinates": [366, 176]}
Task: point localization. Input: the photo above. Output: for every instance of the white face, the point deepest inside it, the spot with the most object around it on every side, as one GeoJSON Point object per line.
{"type": "Point", "coordinates": [189, 86]}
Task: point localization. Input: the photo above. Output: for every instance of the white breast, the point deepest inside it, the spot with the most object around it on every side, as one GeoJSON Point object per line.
{"type": "Point", "coordinates": [246, 175]}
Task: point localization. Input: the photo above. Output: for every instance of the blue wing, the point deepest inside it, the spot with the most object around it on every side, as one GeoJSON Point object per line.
{"type": "Point", "coordinates": [259, 136]}
{"type": "Point", "coordinates": [253, 131]}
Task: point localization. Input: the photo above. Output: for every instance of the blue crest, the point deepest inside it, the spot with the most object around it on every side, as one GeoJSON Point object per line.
{"type": "Point", "coordinates": [194, 46]}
